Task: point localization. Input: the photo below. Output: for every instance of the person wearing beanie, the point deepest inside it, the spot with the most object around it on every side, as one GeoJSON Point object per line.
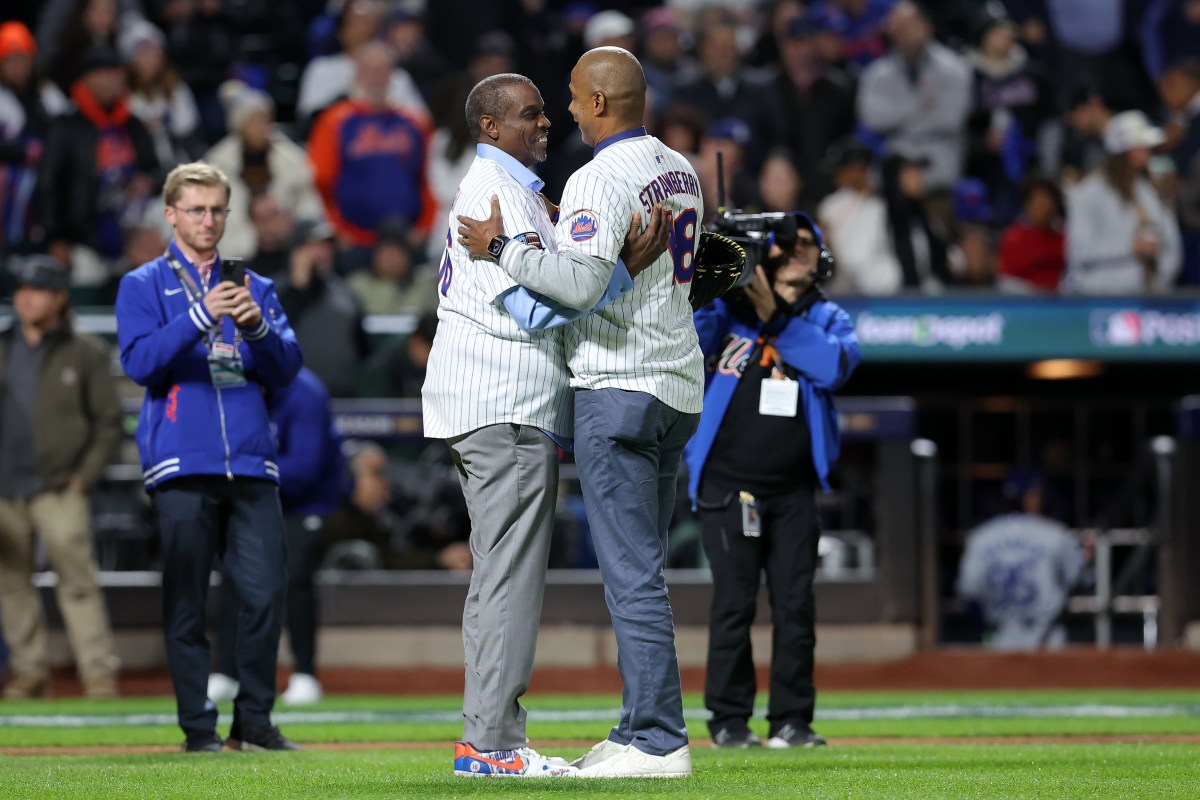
{"type": "Point", "coordinates": [258, 158]}
{"type": "Point", "coordinates": [157, 95]}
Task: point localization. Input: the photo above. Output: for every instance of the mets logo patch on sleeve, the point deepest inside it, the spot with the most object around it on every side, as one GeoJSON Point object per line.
{"type": "Point", "coordinates": [531, 238]}
{"type": "Point", "coordinates": [583, 225]}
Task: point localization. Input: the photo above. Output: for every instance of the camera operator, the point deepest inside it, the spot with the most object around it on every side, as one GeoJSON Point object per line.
{"type": "Point", "coordinates": [775, 352]}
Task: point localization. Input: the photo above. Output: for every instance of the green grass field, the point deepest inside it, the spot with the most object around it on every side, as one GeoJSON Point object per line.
{"type": "Point", "coordinates": [910, 744]}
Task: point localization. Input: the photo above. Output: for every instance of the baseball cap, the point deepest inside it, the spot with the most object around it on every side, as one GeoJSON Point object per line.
{"type": "Point", "coordinates": [41, 272]}
{"type": "Point", "coordinates": [393, 230]}
{"type": "Point", "coordinates": [851, 153]}
{"type": "Point", "coordinates": [731, 129]}
{"type": "Point", "coordinates": [16, 38]}
{"type": "Point", "coordinates": [971, 201]}
{"type": "Point", "coordinates": [1130, 130]}
{"type": "Point", "coordinates": [804, 26]}
{"type": "Point", "coordinates": [606, 25]}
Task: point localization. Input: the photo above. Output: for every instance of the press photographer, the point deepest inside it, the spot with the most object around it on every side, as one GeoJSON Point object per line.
{"type": "Point", "coordinates": [775, 349]}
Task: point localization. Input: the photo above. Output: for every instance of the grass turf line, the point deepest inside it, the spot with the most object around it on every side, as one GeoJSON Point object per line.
{"type": "Point", "coordinates": [958, 771]}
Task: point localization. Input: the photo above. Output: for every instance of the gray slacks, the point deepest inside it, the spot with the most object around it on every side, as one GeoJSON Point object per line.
{"type": "Point", "coordinates": [509, 476]}
{"type": "Point", "coordinates": [628, 446]}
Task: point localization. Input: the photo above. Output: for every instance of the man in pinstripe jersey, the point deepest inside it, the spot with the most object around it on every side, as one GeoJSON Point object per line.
{"type": "Point", "coordinates": [636, 368]}
{"type": "Point", "coordinates": [497, 390]}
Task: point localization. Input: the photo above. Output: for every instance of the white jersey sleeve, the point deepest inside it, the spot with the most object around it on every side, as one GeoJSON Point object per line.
{"type": "Point", "coordinates": [593, 217]}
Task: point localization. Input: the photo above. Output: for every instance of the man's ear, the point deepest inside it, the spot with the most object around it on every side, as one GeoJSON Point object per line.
{"type": "Point", "coordinates": [490, 126]}
{"type": "Point", "coordinates": [599, 103]}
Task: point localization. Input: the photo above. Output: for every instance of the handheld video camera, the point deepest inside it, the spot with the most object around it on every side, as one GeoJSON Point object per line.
{"type": "Point", "coordinates": [757, 232]}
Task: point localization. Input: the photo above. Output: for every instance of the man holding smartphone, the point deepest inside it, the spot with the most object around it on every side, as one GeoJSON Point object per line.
{"type": "Point", "coordinates": [206, 338]}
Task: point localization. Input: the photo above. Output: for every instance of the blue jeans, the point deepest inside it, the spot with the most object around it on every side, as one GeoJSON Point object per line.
{"type": "Point", "coordinates": [628, 446]}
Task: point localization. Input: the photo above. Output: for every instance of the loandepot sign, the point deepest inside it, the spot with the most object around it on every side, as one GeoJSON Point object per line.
{"type": "Point", "coordinates": [931, 330]}
{"type": "Point", "coordinates": [998, 328]}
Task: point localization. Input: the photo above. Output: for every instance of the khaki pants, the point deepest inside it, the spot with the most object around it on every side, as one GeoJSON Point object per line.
{"type": "Point", "coordinates": [61, 519]}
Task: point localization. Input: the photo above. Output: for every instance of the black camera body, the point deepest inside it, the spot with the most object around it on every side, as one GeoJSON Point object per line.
{"type": "Point", "coordinates": [757, 232]}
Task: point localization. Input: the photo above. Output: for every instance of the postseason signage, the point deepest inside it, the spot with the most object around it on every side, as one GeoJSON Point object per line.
{"type": "Point", "coordinates": [1002, 328]}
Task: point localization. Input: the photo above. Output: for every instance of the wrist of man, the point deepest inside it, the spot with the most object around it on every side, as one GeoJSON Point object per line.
{"type": "Point", "coordinates": [201, 317]}
{"type": "Point", "coordinates": [259, 332]}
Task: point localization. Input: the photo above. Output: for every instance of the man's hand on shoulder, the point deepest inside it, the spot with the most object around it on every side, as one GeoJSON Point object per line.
{"type": "Point", "coordinates": [642, 248]}
{"type": "Point", "coordinates": [475, 234]}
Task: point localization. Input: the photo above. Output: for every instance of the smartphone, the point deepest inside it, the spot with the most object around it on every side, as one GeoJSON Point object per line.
{"type": "Point", "coordinates": [233, 269]}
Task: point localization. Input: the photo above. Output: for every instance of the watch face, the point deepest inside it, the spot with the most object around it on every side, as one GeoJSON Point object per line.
{"type": "Point", "coordinates": [496, 245]}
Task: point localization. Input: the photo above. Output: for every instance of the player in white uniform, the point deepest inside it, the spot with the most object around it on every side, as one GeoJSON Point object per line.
{"type": "Point", "coordinates": [497, 390]}
{"type": "Point", "coordinates": [637, 372]}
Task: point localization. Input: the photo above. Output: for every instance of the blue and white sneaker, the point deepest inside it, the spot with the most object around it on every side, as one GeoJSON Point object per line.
{"type": "Point", "coordinates": [524, 762]}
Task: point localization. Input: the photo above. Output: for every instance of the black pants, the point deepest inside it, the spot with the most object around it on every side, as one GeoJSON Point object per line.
{"type": "Point", "coordinates": [304, 557]}
{"type": "Point", "coordinates": [787, 551]}
{"type": "Point", "coordinates": [239, 522]}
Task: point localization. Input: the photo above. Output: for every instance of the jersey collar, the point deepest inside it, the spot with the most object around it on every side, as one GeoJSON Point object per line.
{"type": "Point", "coordinates": [619, 137]}
{"type": "Point", "coordinates": [513, 167]}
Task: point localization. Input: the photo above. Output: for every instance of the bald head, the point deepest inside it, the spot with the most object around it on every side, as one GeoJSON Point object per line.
{"type": "Point", "coordinates": [615, 73]}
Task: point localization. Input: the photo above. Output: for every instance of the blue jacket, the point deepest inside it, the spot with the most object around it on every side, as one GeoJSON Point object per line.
{"type": "Point", "coordinates": [820, 345]}
{"type": "Point", "coordinates": [188, 426]}
{"type": "Point", "coordinates": [313, 477]}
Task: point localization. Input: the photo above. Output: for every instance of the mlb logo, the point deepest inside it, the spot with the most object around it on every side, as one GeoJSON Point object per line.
{"type": "Point", "coordinates": [583, 226]}
{"type": "Point", "coordinates": [658, 157]}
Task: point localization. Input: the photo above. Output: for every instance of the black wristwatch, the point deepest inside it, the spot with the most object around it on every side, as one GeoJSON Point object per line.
{"type": "Point", "coordinates": [496, 246]}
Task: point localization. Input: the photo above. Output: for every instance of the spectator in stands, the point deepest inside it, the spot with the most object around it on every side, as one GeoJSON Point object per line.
{"type": "Point", "coordinates": [779, 183]}
{"type": "Point", "coordinates": [158, 97]}
{"type": "Point", "coordinates": [1019, 568]}
{"type": "Point", "coordinates": [818, 106]}
{"type": "Point", "coordinates": [69, 30]}
{"type": "Point", "coordinates": [313, 481]}
{"type": "Point", "coordinates": [369, 155]}
{"type": "Point", "coordinates": [361, 531]}
{"type": "Point", "coordinates": [973, 256]}
{"type": "Point", "coordinates": [1032, 253]}
{"type": "Point", "coordinates": [404, 32]}
{"type": "Point", "coordinates": [855, 221]}
{"type": "Point", "coordinates": [99, 172]}
{"type": "Point", "coordinates": [1081, 149]}
{"type": "Point", "coordinates": [324, 313]}
{"type": "Point", "coordinates": [24, 118]}
{"type": "Point", "coordinates": [1180, 90]}
{"type": "Point", "coordinates": [397, 368]}
{"type": "Point", "coordinates": [328, 79]}
{"type": "Point", "coordinates": [728, 89]}
{"type": "Point", "coordinates": [924, 261]}
{"type": "Point", "coordinates": [730, 137]}
{"type": "Point", "coordinates": [60, 423]}
{"type": "Point", "coordinates": [203, 44]}
{"type": "Point", "coordinates": [776, 18]}
{"type": "Point", "coordinates": [273, 226]}
{"type": "Point", "coordinates": [681, 127]}
{"type": "Point", "coordinates": [259, 159]}
{"type": "Point", "coordinates": [1120, 238]}
{"type": "Point", "coordinates": [1095, 47]}
{"type": "Point", "coordinates": [395, 283]}
{"type": "Point", "coordinates": [861, 23]}
{"type": "Point", "coordinates": [917, 99]}
{"type": "Point", "coordinates": [662, 55]}
{"type": "Point", "coordinates": [450, 156]}
{"type": "Point", "coordinates": [1170, 31]}
{"type": "Point", "coordinates": [1010, 102]}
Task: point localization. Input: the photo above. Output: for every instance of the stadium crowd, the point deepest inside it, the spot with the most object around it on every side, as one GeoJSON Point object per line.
{"type": "Point", "coordinates": [1031, 146]}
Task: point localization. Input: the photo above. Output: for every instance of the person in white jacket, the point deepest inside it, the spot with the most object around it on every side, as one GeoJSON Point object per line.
{"type": "Point", "coordinates": [258, 158]}
{"type": "Point", "coordinates": [1120, 237]}
{"type": "Point", "coordinates": [855, 222]}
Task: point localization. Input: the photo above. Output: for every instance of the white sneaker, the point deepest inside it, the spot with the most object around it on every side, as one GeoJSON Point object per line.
{"type": "Point", "coordinates": [221, 687]}
{"type": "Point", "coordinates": [524, 762]}
{"type": "Point", "coordinates": [602, 751]}
{"type": "Point", "coordinates": [633, 763]}
{"type": "Point", "coordinates": [302, 690]}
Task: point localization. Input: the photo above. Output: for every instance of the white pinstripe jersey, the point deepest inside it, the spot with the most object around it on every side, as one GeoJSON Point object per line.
{"type": "Point", "coordinates": [483, 369]}
{"type": "Point", "coordinates": [646, 340]}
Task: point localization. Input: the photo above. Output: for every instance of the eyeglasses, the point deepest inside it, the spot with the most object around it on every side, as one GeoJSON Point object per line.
{"type": "Point", "coordinates": [803, 242]}
{"type": "Point", "coordinates": [196, 214]}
